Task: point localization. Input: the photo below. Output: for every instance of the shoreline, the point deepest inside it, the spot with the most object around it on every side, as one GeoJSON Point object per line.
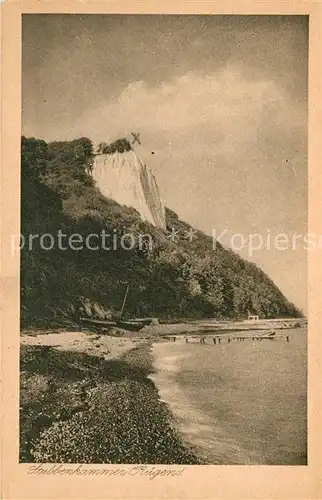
{"type": "Point", "coordinates": [77, 407]}
{"type": "Point", "coordinates": [218, 415]}
{"type": "Point", "coordinates": [164, 329]}
{"type": "Point", "coordinates": [89, 398]}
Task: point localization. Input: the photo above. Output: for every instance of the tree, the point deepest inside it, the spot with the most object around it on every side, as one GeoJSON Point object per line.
{"type": "Point", "coordinates": [120, 146]}
{"type": "Point", "coordinates": [101, 148]}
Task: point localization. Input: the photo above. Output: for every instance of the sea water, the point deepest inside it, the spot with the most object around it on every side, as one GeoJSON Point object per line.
{"type": "Point", "coordinates": [238, 402]}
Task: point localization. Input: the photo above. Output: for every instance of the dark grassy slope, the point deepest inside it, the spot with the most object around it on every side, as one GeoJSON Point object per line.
{"type": "Point", "coordinates": [171, 280]}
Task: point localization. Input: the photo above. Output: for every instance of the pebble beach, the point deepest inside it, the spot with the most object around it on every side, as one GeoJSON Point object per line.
{"type": "Point", "coordinates": [89, 399]}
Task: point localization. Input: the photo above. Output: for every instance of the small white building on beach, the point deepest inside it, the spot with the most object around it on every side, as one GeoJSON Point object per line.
{"type": "Point", "coordinates": [252, 318]}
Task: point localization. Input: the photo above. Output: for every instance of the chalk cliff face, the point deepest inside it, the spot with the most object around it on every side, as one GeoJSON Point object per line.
{"type": "Point", "coordinates": [125, 179]}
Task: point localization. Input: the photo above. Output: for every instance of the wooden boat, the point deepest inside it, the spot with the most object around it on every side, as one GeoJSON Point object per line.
{"type": "Point", "coordinates": [116, 321]}
{"type": "Point", "coordinates": [133, 325]}
{"type": "Point", "coordinates": [130, 324]}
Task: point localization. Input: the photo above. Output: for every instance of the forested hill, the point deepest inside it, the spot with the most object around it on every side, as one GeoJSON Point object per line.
{"type": "Point", "coordinates": [168, 279]}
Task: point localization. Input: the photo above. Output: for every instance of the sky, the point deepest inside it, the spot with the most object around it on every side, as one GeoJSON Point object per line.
{"type": "Point", "coordinates": [221, 106]}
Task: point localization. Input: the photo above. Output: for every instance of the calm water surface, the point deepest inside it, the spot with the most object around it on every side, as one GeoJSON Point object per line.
{"type": "Point", "coordinates": [238, 402]}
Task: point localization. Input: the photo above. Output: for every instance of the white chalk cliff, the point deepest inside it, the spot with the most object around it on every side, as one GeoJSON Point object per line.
{"type": "Point", "coordinates": [125, 179]}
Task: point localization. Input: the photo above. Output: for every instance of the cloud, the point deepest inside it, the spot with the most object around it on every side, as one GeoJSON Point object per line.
{"type": "Point", "coordinates": [224, 105]}
{"type": "Point", "coordinates": [216, 136]}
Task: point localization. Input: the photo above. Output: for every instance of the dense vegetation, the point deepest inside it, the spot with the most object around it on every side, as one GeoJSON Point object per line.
{"type": "Point", "coordinates": [120, 146]}
{"type": "Point", "coordinates": [168, 280]}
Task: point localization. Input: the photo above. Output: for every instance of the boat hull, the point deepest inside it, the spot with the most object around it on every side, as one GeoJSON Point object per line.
{"type": "Point", "coordinates": [131, 325]}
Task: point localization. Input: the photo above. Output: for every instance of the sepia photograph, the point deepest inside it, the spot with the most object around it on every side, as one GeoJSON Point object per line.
{"type": "Point", "coordinates": [163, 240]}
